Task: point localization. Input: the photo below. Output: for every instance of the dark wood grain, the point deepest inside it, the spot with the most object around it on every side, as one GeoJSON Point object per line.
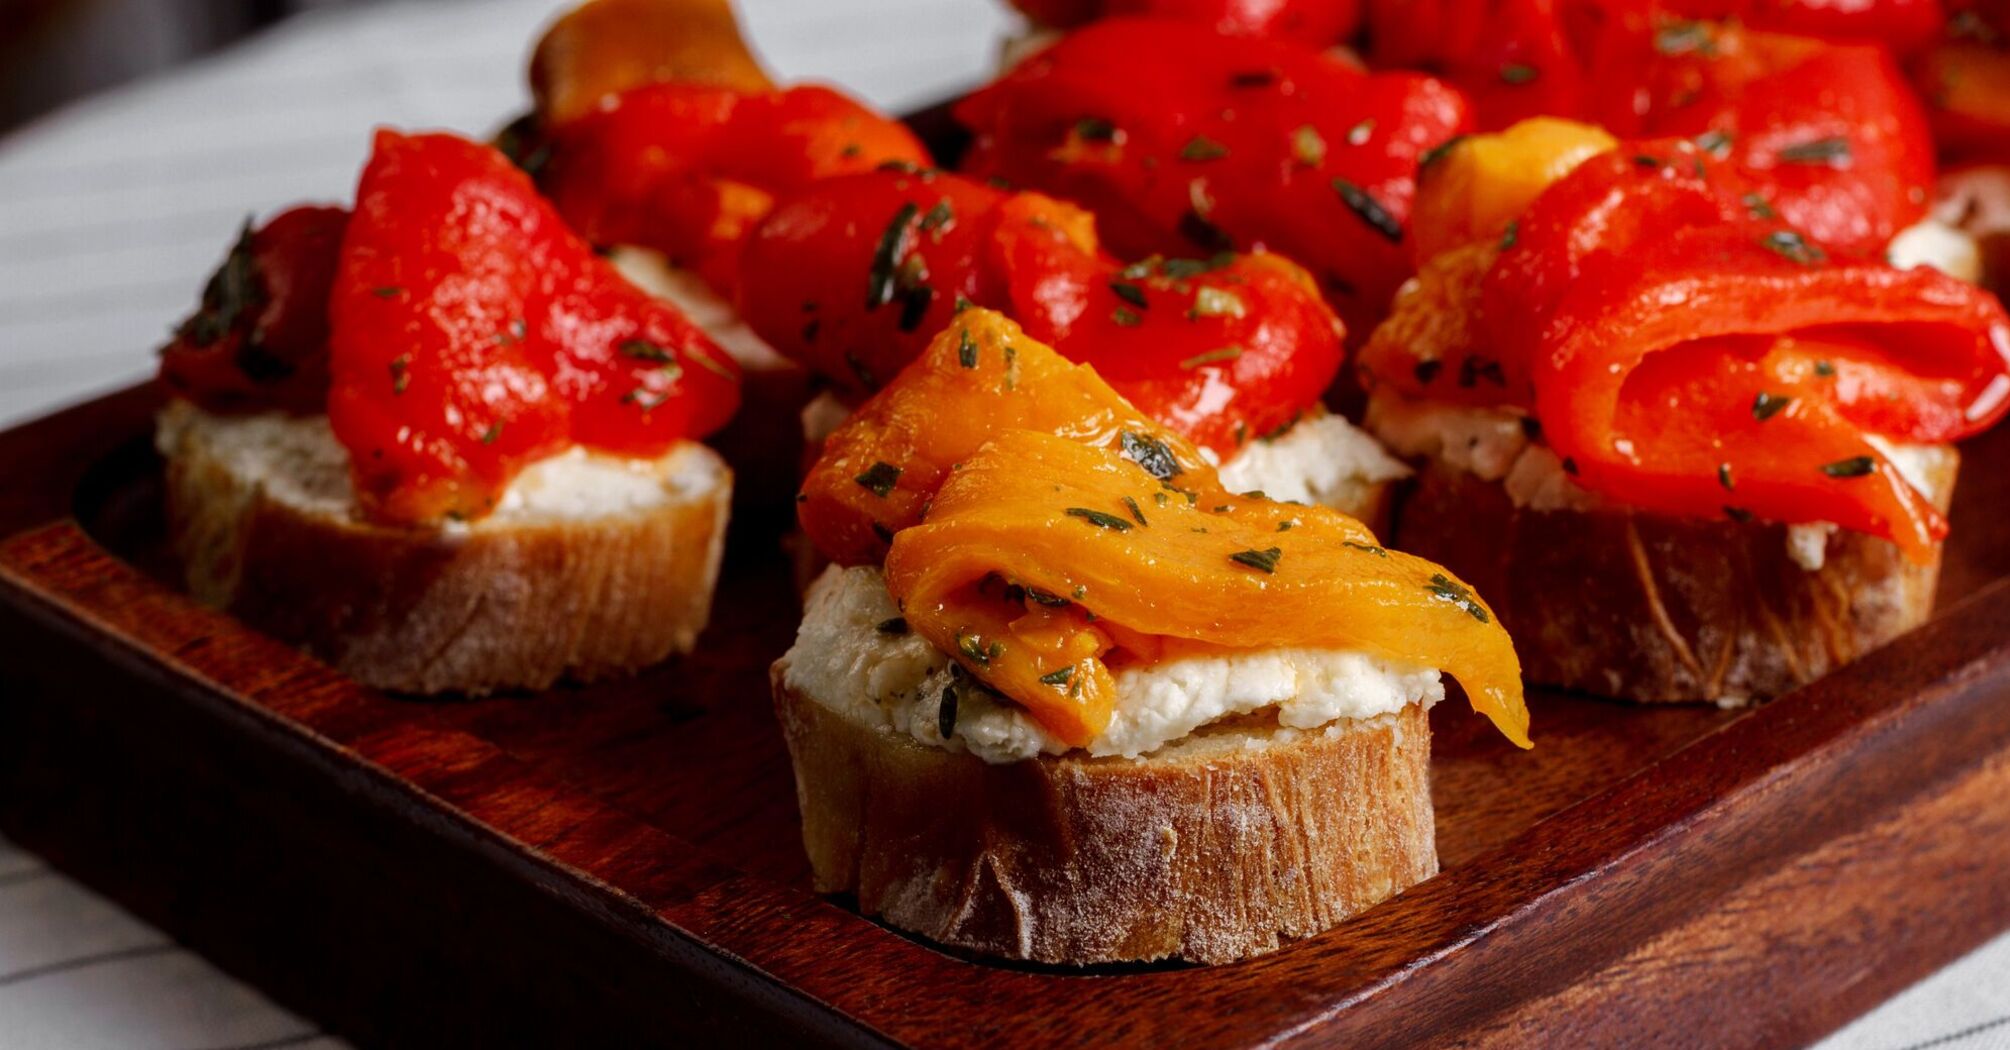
{"type": "Point", "coordinates": [622, 862]}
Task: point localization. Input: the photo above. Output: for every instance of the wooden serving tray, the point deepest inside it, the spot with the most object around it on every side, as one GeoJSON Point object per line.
{"type": "Point", "coordinates": [621, 863]}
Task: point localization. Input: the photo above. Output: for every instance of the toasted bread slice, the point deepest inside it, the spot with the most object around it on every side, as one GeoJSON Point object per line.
{"type": "Point", "coordinates": [592, 566]}
{"type": "Point", "coordinates": [1652, 608]}
{"type": "Point", "coordinates": [1229, 843]}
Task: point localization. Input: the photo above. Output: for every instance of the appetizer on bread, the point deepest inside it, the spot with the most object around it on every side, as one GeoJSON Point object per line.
{"type": "Point", "coordinates": [442, 444]}
{"type": "Point", "coordinates": [1063, 696]}
{"type": "Point", "coordinates": [660, 139]}
{"type": "Point", "coordinates": [1232, 351]}
{"type": "Point", "coordinates": [1694, 452]}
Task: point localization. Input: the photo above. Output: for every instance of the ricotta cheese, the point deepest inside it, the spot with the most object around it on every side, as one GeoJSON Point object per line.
{"type": "Point", "coordinates": [1323, 459]}
{"type": "Point", "coordinates": [298, 461]}
{"type": "Point", "coordinates": [688, 292]}
{"type": "Point", "coordinates": [854, 656]}
{"type": "Point", "coordinates": [1931, 242]}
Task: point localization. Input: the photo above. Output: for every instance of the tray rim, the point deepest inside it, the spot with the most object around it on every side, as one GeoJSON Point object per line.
{"type": "Point", "coordinates": [1923, 705]}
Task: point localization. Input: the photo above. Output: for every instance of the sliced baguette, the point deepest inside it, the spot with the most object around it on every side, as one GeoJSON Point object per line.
{"type": "Point", "coordinates": [572, 577]}
{"type": "Point", "coordinates": [1651, 608]}
{"type": "Point", "coordinates": [1230, 843]}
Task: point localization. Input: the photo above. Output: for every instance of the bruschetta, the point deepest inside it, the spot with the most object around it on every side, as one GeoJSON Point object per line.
{"type": "Point", "coordinates": [440, 443]}
{"type": "Point", "coordinates": [1063, 696]}
{"type": "Point", "coordinates": [1695, 452]}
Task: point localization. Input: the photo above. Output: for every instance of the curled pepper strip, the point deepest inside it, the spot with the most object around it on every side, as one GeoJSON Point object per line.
{"type": "Point", "coordinates": [1063, 533]}
{"type": "Point", "coordinates": [980, 377]}
{"type": "Point", "coordinates": [1688, 353]}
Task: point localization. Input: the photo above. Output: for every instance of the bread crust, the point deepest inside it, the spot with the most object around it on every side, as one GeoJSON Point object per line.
{"type": "Point", "coordinates": [1209, 850]}
{"type": "Point", "coordinates": [497, 606]}
{"type": "Point", "coordinates": [1652, 608]}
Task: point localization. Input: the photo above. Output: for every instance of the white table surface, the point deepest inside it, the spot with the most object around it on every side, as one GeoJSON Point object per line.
{"type": "Point", "coordinates": [113, 211]}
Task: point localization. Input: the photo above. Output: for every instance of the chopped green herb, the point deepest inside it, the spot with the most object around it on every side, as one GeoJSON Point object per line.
{"type": "Point", "coordinates": [1825, 368]}
{"type": "Point", "coordinates": [1136, 512]}
{"type": "Point", "coordinates": [1446, 589]}
{"type": "Point", "coordinates": [879, 479]}
{"type": "Point", "coordinates": [1200, 147]}
{"type": "Point", "coordinates": [1757, 206]}
{"type": "Point", "coordinates": [1184, 268]}
{"type": "Point", "coordinates": [1767, 405]}
{"type": "Point", "coordinates": [962, 303]}
{"type": "Point", "coordinates": [401, 373]}
{"type": "Point", "coordinates": [1264, 561]}
{"type": "Point", "coordinates": [1254, 78]}
{"type": "Point", "coordinates": [1150, 453]}
{"type": "Point", "coordinates": [1287, 524]}
{"type": "Point", "coordinates": [231, 290]}
{"type": "Point", "coordinates": [1715, 143]}
{"type": "Point", "coordinates": [1853, 467]}
{"type": "Point", "coordinates": [1369, 210]}
{"type": "Point", "coordinates": [1226, 353]}
{"type": "Point", "coordinates": [1517, 73]}
{"type": "Point", "coordinates": [1308, 147]}
{"type": "Point", "coordinates": [648, 399]}
{"type": "Point", "coordinates": [1438, 152]}
{"type": "Point", "coordinates": [886, 257]}
{"type": "Point", "coordinates": [1793, 246]}
{"type": "Point", "coordinates": [945, 713]}
{"type": "Point", "coordinates": [387, 292]}
{"type": "Point", "coordinates": [938, 218]}
{"type": "Point", "coordinates": [1217, 302]}
{"type": "Point", "coordinates": [494, 431]}
{"type": "Point", "coordinates": [1125, 316]}
{"type": "Point", "coordinates": [644, 350]}
{"type": "Point", "coordinates": [1095, 129]}
{"type": "Point", "coordinates": [1059, 677]}
{"type": "Point", "coordinates": [1724, 477]}
{"type": "Point", "coordinates": [1681, 38]}
{"type": "Point", "coordinates": [971, 645]}
{"type": "Point", "coordinates": [1368, 547]}
{"type": "Point", "coordinates": [1130, 293]}
{"type": "Point", "coordinates": [1100, 519]}
{"type": "Point", "coordinates": [895, 625]}
{"type": "Point", "coordinates": [1427, 371]}
{"type": "Point", "coordinates": [966, 349]}
{"type": "Point", "coordinates": [1512, 235]}
{"type": "Point", "coordinates": [1647, 160]}
{"type": "Point", "coordinates": [1738, 514]}
{"type": "Point", "coordinates": [1831, 150]}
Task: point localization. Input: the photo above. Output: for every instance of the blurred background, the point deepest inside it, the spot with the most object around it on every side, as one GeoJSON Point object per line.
{"type": "Point", "coordinates": [55, 50]}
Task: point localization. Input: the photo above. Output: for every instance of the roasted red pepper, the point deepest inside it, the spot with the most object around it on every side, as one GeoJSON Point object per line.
{"type": "Point", "coordinates": [1320, 23]}
{"type": "Point", "coordinates": [1831, 131]}
{"type": "Point", "coordinates": [1184, 142]}
{"type": "Point", "coordinates": [854, 277]}
{"type": "Point", "coordinates": [260, 339]}
{"type": "Point", "coordinates": [689, 169]}
{"type": "Point", "coordinates": [1686, 351]}
{"type": "Point", "coordinates": [473, 334]}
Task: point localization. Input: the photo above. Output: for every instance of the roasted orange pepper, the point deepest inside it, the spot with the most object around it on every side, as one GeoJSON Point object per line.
{"type": "Point", "coordinates": [1040, 529]}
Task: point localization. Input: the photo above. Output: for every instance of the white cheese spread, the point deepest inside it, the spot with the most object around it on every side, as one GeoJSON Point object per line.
{"type": "Point", "coordinates": [845, 660]}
